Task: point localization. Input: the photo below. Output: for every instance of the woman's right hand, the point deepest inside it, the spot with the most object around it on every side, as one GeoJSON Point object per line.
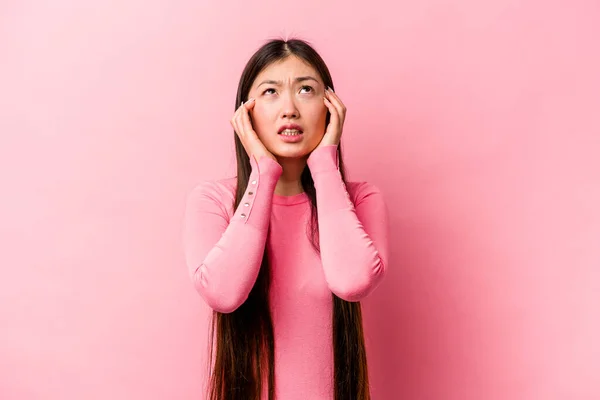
{"type": "Point", "coordinates": [243, 127]}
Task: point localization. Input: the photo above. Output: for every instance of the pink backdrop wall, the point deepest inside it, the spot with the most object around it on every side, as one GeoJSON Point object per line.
{"type": "Point", "coordinates": [478, 120]}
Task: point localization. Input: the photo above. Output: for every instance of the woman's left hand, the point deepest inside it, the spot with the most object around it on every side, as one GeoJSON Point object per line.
{"type": "Point", "coordinates": [336, 121]}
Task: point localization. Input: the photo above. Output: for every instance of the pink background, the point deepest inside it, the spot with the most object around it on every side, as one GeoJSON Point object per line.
{"type": "Point", "coordinates": [479, 120]}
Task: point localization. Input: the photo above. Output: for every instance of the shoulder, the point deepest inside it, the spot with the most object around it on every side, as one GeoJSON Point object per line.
{"type": "Point", "coordinates": [361, 190]}
{"type": "Point", "coordinates": [219, 189]}
{"type": "Point", "coordinates": [218, 193]}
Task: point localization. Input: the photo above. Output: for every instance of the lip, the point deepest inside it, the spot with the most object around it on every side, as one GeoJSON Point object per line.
{"type": "Point", "coordinates": [289, 126]}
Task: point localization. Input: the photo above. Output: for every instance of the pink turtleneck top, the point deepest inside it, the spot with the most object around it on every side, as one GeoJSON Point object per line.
{"type": "Point", "coordinates": [224, 248]}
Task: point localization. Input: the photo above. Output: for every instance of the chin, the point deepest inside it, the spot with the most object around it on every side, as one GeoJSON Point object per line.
{"type": "Point", "coordinates": [297, 153]}
{"type": "Point", "coordinates": [288, 150]}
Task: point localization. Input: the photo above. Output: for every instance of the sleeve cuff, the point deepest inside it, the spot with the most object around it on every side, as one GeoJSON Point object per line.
{"type": "Point", "coordinates": [324, 158]}
{"type": "Point", "coordinates": [266, 166]}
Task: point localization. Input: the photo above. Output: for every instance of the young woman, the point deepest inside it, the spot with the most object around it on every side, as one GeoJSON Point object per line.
{"type": "Point", "coordinates": [283, 280]}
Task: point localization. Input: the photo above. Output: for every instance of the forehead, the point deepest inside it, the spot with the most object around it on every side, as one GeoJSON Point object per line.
{"type": "Point", "coordinates": [286, 70]}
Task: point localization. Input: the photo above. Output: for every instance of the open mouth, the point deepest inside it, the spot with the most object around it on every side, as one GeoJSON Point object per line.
{"type": "Point", "coordinates": [291, 132]}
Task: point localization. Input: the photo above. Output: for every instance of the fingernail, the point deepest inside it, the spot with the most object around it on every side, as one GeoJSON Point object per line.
{"type": "Point", "coordinates": [250, 99]}
{"type": "Point", "coordinates": [330, 89]}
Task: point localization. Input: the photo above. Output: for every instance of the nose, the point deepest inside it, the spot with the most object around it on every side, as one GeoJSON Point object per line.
{"type": "Point", "coordinates": [288, 108]}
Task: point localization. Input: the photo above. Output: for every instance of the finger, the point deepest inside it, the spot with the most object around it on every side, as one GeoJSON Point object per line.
{"type": "Point", "coordinates": [239, 122]}
{"type": "Point", "coordinates": [246, 116]}
{"type": "Point", "coordinates": [249, 104]}
{"type": "Point", "coordinates": [335, 118]}
{"type": "Point", "coordinates": [335, 99]}
{"type": "Point", "coordinates": [235, 121]}
{"type": "Point", "coordinates": [337, 103]}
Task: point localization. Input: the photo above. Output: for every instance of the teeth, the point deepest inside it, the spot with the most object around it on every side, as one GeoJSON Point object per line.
{"type": "Point", "coordinates": [290, 132]}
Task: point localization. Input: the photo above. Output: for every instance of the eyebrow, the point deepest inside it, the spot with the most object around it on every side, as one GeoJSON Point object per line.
{"type": "Point", "coordinates": [298, 79]}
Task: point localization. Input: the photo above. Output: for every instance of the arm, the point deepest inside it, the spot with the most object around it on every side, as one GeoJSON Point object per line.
{"type": "Point", "coordinates": [354, 241]}
{"type": "Point", "coordinates": [223, 257]}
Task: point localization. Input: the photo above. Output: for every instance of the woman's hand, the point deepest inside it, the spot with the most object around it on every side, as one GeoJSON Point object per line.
{"type": "Point", "coordinates": [336, 122]}
{"type": "Point", "coordinates": [243, 127]}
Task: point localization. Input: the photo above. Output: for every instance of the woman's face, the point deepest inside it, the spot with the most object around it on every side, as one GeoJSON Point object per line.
{"type": "Point", "coordinates": [283, 99]}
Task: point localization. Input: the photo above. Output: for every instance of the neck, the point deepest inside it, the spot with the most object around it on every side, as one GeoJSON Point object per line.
{"type": "Point", "coordinates": [289, 183]}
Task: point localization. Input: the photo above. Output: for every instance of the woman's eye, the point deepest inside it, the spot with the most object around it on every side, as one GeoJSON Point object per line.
{"type": "Point", "coordinates": [302, 88]}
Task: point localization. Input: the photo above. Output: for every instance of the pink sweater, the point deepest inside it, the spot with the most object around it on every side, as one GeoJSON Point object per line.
{"type": "Point", "coordinates": [224, 248]}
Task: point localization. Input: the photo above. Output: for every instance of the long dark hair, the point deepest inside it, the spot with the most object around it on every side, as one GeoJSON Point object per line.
{"type": "Point", "coordinates": [245, 341]}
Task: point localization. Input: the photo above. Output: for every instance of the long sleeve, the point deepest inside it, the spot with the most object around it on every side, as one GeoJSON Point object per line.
{"type": "Point", "coordinates": [223, 257]}
{"type": "Point", "coordinates": [353, 237]}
